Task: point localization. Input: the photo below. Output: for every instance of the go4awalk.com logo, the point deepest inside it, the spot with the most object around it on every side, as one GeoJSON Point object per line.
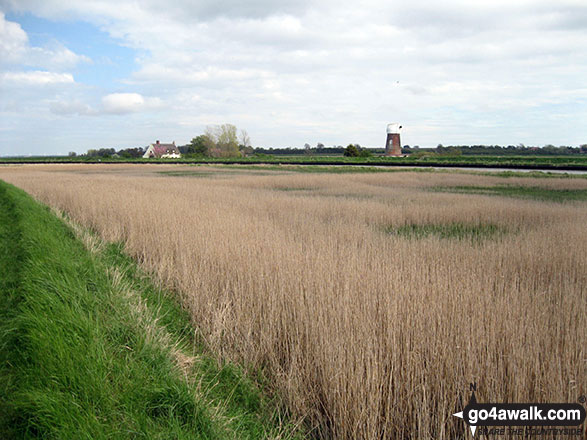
{"type": "Point", "coordinates": [523, 418]}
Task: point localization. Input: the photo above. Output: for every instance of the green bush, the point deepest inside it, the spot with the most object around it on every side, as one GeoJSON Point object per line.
{"type": "Point", "coordinates": [351, 151]}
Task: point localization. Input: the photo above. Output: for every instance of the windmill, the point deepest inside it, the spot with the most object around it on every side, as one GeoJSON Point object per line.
{"type": "Point", "coordinates": [393, 146]}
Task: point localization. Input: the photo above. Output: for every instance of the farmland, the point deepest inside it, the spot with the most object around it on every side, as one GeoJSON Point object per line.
{"type": "Point", "coordinates": [369, 301]}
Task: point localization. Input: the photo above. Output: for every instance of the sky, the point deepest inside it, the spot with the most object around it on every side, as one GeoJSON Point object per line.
{"type": "Point", "coordinates": [105, 73]}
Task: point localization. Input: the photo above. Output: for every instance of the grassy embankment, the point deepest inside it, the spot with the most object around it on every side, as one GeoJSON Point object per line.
{"type": "Point", "coordinates": [89, 348]}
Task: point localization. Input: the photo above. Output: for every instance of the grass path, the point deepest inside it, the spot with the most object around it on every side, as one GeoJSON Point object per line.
{"type": "Point", "coordinates": [90, 348]}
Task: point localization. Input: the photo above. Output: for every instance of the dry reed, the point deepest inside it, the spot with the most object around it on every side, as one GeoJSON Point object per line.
{"type": "Point", "coordinates": [365, 334]}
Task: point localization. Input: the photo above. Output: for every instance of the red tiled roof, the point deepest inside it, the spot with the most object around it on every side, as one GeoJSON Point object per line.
{"type": "Point", "coordinates": [162, 149]}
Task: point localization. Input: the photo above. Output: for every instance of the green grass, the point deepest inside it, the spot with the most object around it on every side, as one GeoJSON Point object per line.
{"type": "Point", "coordinates": [217, 171]}
{"type": "Point", "coordinates": [534, 174]}
{"type": "Point", "coordinates": [346, 169]}
{"type": "Point", "coordinates": [268, 170]}
{"type": "Point", "coordinates": [294, 188]}
{"type": "Point", "coordinates": [456, 231]}
{"type": "Point", "coordinates": [88, 346]}
{"type": "Point", "coordinates": [233, 170]}
{"type": "Point", "coordinates": [319, 169]}
{"type": "Point", "coordinates": [523, 192]}
{"type": "Point", "coordinates": [188, 173]}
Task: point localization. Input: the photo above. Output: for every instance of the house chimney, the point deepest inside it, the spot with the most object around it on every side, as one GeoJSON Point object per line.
{"type": "Point", "coordinates": [393, 146]}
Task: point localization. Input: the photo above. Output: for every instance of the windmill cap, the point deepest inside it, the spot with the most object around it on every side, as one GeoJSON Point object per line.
{"type": "Point", "coordinates": [393, 128]}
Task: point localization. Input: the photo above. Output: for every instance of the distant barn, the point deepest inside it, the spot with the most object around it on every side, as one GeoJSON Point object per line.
{"type": "Point", "coordinates": [164, 151]}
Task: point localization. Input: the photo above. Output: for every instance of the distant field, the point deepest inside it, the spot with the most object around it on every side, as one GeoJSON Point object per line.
{"type": "Point", "coordinates": [369, 300]}
{"type": "Point", "coordinates": [578, 162]}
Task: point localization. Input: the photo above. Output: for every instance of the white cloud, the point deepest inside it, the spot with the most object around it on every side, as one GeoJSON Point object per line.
{"type": "Point", "coordinates": [35, 78]}
{"type": "Point", "coordinates": [13, 41]}
{"type": "Point", "coordinates": [55, 56]}
{"type": "Point", "coordinates": [120, 103]}
{"type": "Point", "coordinates": [16, 50]}
{"type": "Point", "coordinates": [75, 107]}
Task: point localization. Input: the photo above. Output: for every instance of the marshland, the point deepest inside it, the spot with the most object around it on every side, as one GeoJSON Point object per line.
{"type": "Point", "coordinates": [367, 301]}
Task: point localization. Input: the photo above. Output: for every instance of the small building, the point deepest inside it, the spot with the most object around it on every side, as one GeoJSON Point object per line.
{"type": "Point", "coordinates": [162, 151]}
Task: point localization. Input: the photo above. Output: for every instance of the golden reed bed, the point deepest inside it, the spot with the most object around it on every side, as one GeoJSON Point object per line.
{"type": "Point", "coordinates": [365, 333]}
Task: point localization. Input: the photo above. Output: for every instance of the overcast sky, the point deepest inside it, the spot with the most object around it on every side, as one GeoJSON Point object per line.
{"type": "Point", "coordinates": [116, 73]}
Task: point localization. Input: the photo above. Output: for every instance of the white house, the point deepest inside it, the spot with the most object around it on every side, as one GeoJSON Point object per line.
{"type": "Point", "coordinates": [165, 151]}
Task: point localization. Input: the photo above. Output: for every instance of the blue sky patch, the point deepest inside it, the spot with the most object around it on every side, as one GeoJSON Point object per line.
{"type": "Point", "coordinates": [112, 62]}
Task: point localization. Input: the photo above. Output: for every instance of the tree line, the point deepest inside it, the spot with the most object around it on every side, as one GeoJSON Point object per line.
{"type": "Point", "coordinates": [227, 141]}
{"type": "Point", "coordinates": [127, 153]}
{"type": "Point", "coordinates": [518, 150]}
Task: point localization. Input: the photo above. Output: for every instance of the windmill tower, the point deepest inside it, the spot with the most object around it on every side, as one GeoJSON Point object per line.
{"type": "Point", "coordinates": [393, 146]}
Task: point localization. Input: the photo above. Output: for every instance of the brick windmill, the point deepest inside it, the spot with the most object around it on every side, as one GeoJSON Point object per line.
{"type": "Point", "coordinates": [393, 146]}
